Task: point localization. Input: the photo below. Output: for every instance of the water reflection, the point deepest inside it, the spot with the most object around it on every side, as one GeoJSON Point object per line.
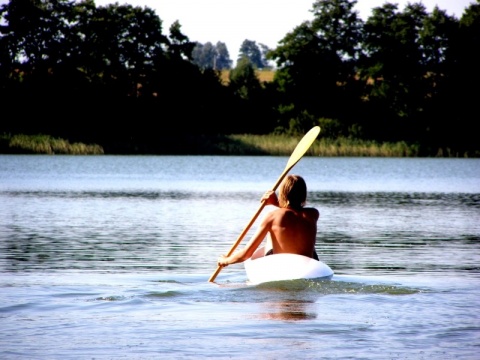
{"type": "Point", "coordinates": [302, 299]}
{"type": "Point", "coordinates": [293, 310]}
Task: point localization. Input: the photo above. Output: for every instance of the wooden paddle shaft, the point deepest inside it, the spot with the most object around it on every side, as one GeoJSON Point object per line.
{"type": "Point", "coordinates": [239, 239]}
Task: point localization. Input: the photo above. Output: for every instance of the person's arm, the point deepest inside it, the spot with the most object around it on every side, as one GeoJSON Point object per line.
{"type": "Point", "coordinates": [249, 249]}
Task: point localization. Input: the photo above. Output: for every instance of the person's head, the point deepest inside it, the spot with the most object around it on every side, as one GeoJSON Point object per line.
{"type": "Point", "coordinates": [293, 192]}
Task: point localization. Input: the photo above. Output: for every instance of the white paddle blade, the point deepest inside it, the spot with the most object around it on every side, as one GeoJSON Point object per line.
{"type": "Point", "coordinates": [303, 146]}
{"type": "Point", "coordinates": [300, 150]}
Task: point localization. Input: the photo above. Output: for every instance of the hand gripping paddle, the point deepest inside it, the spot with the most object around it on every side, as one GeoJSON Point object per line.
{"type": "Point", "coordinates": [297, 154]}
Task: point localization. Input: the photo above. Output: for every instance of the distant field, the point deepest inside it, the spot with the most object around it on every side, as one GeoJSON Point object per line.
{"type": "Point", "coordinates": [263, 75]}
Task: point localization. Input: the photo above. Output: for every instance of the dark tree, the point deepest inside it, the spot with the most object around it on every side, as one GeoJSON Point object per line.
{"type": "Point", "coordinates": [222, 61]}
{"type": "Point", "coordinates": [316, 66]}
{"type": "Point", "coordinates": [243, 79]}
{"type": "Point", "coordinates": [264, 51]}
{"type": "Point", "coordinates": [207, 56]}
{"type": "Point", "coordinates": [180, 45]}
{"type": "Point", "coordinates": [454, 111]}
{"type": "Point", "coordinates": [251, 51]}
{"type": "Point", "coordinates": [204, 55]}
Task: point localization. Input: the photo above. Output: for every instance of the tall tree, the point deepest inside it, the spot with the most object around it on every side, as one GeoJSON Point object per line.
{"type": "Point", "coordinates": [438, 36]}
{"type": "Point", "coordinates": [207, 56]}
{"type": "Point", "coordinates": [399, 56]}
{"type": "Point", "coordinates": [204, 55]}
{"type": "Point", "coordinates": [316, 63]}
{"type": "Point", "coordinates": [222, 61]}
{"type": "Point", "coordinates": [180, 45]}
{"type": "Point", "coordinates": [264, 51]}
{"type": "Point", "coordinates": [251, 51]}
{"type": "Point", "coordinates": [252, 105]}
{"type": "Point", "coordinates": [455, 109]}
{"type": "Point", "coordinates": [243, 79]}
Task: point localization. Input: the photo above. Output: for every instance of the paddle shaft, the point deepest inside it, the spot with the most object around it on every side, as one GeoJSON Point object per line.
{"type": "Point", "coordinates": [297, 154]}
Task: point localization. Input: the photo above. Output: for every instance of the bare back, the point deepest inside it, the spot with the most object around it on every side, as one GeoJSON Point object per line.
{"type": "Point", "coordinates": [293, 231]}
{"type": "Point", "coordinates": [290, 228]}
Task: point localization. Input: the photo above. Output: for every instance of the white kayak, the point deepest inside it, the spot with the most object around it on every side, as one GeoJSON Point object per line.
{"type": "Point", "coordinates": [277, 267]}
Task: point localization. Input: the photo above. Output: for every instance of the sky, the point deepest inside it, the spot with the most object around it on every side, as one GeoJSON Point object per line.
{"type": "Point", "coordinates": [263, 21]}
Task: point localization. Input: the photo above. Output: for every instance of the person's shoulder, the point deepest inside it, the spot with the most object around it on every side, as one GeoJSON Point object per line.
{"type": "Point", "coordinates": [274, 213]}
{"type": "Point", "coordinates": [278, 212]}
{"type": "Point", "coordinates": [312, 211]}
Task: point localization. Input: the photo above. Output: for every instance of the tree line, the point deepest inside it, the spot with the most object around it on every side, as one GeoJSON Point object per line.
{"type": "Point", "coordinates": [112, 75]}
{"type": "Point", "coordinates": [217, 57]}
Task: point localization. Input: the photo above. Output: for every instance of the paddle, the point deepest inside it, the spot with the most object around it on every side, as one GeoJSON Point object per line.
{"type": "Point", "coordinates": [297, 154]}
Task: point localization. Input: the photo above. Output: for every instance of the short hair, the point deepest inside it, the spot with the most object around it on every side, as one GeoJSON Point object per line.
{"type": "Point", "coordinates": [293, 192]}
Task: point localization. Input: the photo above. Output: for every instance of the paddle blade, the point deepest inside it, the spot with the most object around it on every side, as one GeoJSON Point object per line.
{"type": "Point", "coordinates": [300, 150]}
{"type": "Point", "coordinates": [303, 146]}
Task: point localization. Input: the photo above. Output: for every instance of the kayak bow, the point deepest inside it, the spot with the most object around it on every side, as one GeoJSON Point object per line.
{"type": "Point", "coordinates": [277, 267]}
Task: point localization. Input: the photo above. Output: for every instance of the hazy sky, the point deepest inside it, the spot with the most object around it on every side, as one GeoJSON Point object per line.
{"type": "Point", "coordinates": [262, 21]}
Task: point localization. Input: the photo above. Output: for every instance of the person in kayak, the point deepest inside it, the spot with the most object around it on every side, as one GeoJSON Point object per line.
{"type": "Point", "coordinates": [292, 228]}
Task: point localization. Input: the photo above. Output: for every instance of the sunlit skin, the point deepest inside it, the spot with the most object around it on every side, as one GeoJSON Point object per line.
{"type": "Point", "coordinates": [292, 227]}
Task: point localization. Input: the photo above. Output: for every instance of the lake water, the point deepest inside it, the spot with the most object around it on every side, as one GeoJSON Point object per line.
{"type": "Point", "coordinates": [108, 257]}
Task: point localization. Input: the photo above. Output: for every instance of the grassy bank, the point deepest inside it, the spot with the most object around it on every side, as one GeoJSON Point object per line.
{"type": "Point", "coordinates": [276, 145]}
{"type": "Point", "coordinates": [44, 144]}
{"type": "Point", "coordinates": [284, 145]}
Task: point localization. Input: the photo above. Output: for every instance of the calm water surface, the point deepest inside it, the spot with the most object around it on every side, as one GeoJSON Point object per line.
{"type": "Point", "coordinates": [107, 257]}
